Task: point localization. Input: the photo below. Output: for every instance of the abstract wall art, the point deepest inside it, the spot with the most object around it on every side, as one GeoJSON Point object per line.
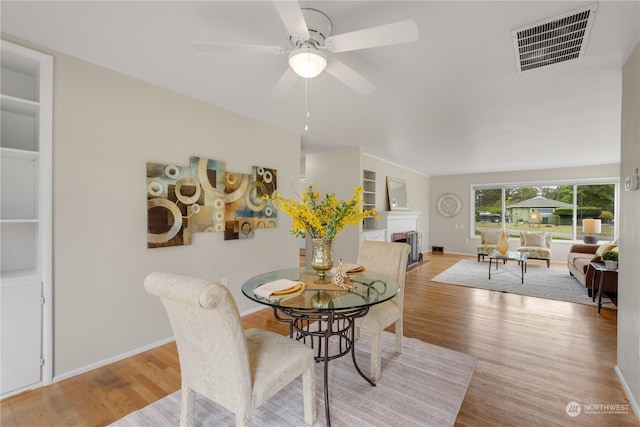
{"type": "Point", "coordinates": [205, 197]}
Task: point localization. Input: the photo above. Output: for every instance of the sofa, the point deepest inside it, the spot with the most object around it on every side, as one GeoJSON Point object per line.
{"type": "Point", "coordinates": [579, 260]}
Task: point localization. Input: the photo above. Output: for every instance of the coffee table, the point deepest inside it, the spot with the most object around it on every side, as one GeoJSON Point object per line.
{"type": "Point", "coordinates": [521, 257]}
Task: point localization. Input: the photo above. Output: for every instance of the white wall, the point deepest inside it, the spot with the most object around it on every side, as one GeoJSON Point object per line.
{"type": "Point", "coordinates": [460, 240]}
{"type": "Point", "coordinates": [106, 127]}
{"type": "Point", "coordinates": [629, 276]}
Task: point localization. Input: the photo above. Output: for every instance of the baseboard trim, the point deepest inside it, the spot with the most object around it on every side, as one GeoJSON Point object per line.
{"type": "Point", "coordinates": [22, 389]}
{"type": "Point", "coordinates": [121, 356]}
{"type": "Point", "coordinates": [634, 404]}
{"type": "Point", "coordinates": [110, 360]}
{"type": "Point", "coordinates": [253, 310]}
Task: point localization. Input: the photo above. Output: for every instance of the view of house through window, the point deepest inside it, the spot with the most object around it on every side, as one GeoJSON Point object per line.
{"type": "Point", "coordinates": [559, 209]}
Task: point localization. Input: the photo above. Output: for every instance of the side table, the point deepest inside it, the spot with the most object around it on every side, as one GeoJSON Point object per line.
{"type": "Point", "coordinates": [601, 269]}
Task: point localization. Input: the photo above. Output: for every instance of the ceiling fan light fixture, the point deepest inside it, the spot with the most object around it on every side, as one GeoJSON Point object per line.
{"type": "Point", "coordinates": [307, 62]}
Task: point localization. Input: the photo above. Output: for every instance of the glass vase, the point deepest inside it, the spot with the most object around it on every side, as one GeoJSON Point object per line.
{"type": "Point", "coordinates": [503, 243]}
{"type": "Point", "coordinates": [322, 258]}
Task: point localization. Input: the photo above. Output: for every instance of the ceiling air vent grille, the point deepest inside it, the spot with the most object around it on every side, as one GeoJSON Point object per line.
{"type": "Point", "coordinates": [556, 40]}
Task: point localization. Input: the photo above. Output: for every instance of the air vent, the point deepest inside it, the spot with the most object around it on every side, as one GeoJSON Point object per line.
{"type": "Point", "coordinates": [555, 40]}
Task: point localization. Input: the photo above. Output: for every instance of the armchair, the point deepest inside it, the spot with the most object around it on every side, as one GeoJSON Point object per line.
{"type": "Point", "coordinates": [237, 369]}
{"type": "Point", "coordinates": [537, 245]}
{"type": "Point", "coordinates": [488, 242]}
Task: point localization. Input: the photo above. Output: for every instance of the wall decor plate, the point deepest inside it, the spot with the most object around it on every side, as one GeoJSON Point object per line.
{"type": "Point", "coordinates": [449, 205]}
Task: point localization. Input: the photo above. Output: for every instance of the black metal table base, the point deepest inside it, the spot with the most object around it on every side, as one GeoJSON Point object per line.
{"type": "Point", "coordinates": [316, 328]}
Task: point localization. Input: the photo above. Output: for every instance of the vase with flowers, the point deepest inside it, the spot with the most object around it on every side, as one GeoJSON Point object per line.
{"type": "Point", "coordinates": [322, 219]}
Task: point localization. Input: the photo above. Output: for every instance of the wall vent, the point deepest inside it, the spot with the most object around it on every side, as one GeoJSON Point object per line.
{"type": "Point", "coordinates": [554, 40]}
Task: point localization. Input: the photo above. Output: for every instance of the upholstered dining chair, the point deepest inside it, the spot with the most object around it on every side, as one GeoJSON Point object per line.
{"type": "Point", "coordinates": [537, 245]}
{"type": "Point", "coordinates": [391, 259]}
{"type": "Point", "coordinates": [239, 370]}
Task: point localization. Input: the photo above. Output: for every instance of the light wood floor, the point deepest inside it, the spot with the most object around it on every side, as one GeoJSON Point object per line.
{"type": "Point", "coordinates": [535, 356]}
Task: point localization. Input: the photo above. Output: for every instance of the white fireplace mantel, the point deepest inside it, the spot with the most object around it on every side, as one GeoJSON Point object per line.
{"type": "Point", "coordinates": [399, 221]}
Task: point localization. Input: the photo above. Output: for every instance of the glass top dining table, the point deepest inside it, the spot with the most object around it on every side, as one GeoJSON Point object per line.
{"type": "Point", "coordinates": [323, 315]}
{"type": "Point", "coordinates": [367, 289]}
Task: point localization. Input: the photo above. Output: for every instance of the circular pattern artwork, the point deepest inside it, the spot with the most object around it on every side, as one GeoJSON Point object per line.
{"type": "Point", "coordinates": [204, 196]}
{"type": "Point", "coordinates": [449, 205]}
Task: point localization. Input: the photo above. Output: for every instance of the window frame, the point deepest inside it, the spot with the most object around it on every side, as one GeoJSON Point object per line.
{"type": "Point", "coordinates": [503, 186]}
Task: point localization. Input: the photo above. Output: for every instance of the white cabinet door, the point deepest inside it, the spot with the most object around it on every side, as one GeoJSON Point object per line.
{"type": "Point", "coordinates": [21, 318]}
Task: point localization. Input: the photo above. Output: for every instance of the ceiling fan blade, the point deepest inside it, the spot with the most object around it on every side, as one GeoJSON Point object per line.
{"type": "Point", "coordinates": [231, 47]}
{"type": "Point", "coordinates": [285, 84]}
{"type": "Point", "coordinates": [350, 78]}
{"type": "Point", "coordinates": [291, 16]}
{"type": "Point", "coordinates": [383, 35]}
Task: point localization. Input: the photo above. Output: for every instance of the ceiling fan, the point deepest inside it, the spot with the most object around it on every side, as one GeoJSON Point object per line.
{"type": "Point", "coordinates": [310, 35]}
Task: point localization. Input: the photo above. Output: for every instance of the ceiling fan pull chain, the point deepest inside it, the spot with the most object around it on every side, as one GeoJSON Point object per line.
{"type": "Point", "coordinates": [306, 95]}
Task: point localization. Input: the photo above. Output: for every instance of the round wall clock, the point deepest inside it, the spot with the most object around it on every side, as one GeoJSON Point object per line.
{"type": "Point", "coordinates": [449, 205]}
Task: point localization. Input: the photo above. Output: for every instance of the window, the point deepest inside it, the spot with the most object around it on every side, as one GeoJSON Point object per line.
{"type": "Point", "coordinates": [557, 208]}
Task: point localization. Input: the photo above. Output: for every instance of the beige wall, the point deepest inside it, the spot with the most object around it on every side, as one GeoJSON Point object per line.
{"type": "Point", "coordinates": [106, 127]}
{"type": "Point", "coordinates": [460, 239]}
{"type": "Point", "coordinates": [417, 191]}
{"type": "Point", "coordinates": [629, 277]}
{"type": "Point", "coordinates": [338, 171]}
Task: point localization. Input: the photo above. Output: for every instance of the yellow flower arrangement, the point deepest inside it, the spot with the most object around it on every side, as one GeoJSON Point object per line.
{"type": "Point", "coordinates": [322, 218]}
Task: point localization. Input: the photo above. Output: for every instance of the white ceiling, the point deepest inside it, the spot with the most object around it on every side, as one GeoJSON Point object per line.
{"type": "Point", "coordinates": [452, 102]}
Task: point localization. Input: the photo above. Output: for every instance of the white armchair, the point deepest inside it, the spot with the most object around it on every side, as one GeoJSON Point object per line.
{"type": "Point", "coordinates": [237, 369]}
{"type": "Point", "coordinates": [390, 259]}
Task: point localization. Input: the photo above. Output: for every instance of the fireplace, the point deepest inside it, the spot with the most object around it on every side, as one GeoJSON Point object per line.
{"type": "Point", "coordinates": [412, 239]}
{"type": "Point", "coordinates": [402, 226]}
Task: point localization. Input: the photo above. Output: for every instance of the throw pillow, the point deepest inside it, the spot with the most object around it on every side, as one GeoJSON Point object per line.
{"type": "Point", "coordinates": [490, 237]}
{"type": "Point", "coordinates": [605, 247]}
{"type": "Point", "coordinates": [534, 239]}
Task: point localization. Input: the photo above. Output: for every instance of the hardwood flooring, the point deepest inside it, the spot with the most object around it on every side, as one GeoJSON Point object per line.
{"type": "Point", "coordinates": [535, 357]}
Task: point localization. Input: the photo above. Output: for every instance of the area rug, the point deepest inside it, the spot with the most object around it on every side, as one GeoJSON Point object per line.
{"type": "Point", "coordinates": [423, 386]}
{"type": "Point", "coordinates": [539, 281]}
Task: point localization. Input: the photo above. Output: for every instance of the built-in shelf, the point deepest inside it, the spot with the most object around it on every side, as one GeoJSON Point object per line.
{"type": "Point", "coordinates": [13, 153]}
{"type": "Point", "coordinates": [26, 103]}
{"type": "Point", "coordinates": [16, 277]}
{"type": "Point", "coordinates": [369, 197]}
{"type": "Point", "coordinates": [25, 107]}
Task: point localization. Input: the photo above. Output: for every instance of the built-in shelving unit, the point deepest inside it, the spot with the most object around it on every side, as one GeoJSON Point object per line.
{"type": "Point", "coordinates": [25, 217]}
{"type": "Point", "coordinates": [369, 196]}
